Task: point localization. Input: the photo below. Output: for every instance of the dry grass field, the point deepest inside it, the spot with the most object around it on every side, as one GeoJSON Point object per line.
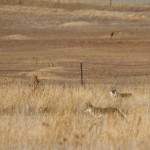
{"type": "Point", "coordinates": [49, 40]}
{"type": "Point", "coordinates": [52, 118]}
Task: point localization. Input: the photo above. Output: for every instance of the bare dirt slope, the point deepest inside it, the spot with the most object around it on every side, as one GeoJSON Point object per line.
{"type": "Point", "coordinates": [51, 41]}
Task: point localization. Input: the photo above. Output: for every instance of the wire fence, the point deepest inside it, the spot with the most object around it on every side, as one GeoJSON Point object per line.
{"type": "Point", "coordinates": [84, 72]}
{"type": "Point", "coordinates": [95, 72]}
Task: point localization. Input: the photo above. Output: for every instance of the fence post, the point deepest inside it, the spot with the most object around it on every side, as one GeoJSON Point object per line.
{"type": "Point", "coordinates": [110, 2]}
{"type": "Point", "coordinates": [81, 71]}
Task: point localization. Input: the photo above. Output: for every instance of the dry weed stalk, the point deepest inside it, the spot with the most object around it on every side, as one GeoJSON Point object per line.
{"type": "Point", "coordinates": [35, 83]}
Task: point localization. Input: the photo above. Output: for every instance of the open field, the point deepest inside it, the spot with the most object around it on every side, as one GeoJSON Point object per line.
{"type": "Point", "coordinates": [50, 40]}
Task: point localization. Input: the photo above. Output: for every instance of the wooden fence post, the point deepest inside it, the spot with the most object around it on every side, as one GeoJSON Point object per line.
{"type": "Point", "coordinates": [110, 2]}
{"type": "Point", "coordinates": [81, 70]}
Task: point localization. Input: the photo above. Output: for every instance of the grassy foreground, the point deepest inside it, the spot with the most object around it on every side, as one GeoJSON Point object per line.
{"type": "Point", "coordinates": [52, 118]}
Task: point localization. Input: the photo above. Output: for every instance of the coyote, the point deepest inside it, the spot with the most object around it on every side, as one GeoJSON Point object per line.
{"type": "Point", "coordinates": [114, 93]}
{"type": "Point", "coordinates": [99, 112]}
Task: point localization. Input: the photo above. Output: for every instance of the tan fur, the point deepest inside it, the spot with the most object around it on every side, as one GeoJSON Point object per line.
{"type": "Point", "coordinates": [99, 111]}
{"type": "Point", "coordinates": [114, 93]}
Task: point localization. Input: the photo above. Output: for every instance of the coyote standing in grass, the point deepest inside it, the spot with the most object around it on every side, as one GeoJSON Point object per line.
{"type": "Point", "coordinates": [114, 93]}
{"type": "Point", "coordinates": [99, 112]}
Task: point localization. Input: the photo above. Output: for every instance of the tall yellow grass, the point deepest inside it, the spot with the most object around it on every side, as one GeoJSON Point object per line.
{"type": "Point", "coordinates": [52, 118]}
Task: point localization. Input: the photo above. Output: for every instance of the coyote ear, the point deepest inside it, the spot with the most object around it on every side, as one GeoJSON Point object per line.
{"type": "Point", "coordinates": [88, 104]}
{"type": "Point", "coordinates": [112, 88]}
